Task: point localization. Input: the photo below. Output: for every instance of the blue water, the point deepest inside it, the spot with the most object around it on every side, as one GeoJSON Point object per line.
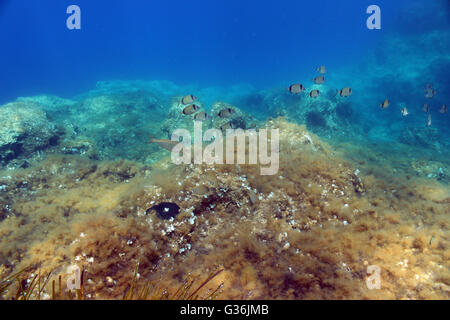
{"type": "Point", "coordinates": [217, 45]}
{"type": "Point", "coordinates": [264, 43]}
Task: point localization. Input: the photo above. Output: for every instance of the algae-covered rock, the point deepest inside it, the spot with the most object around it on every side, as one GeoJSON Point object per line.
{"type": "Point", "coordinates": [426, 137]}
{"type": "Point", "coordinates": [431, 169]}
{"type": "Point", "coordinates": [25, 128]}
{"type": "Point", "coordinates": [328, 113]}
{"type": "Point", "coordinates": [117, 124]}
{"type": "Point", "coordinates": [50, 103]}
{"type": "Point", "coordinates": [81, 146]}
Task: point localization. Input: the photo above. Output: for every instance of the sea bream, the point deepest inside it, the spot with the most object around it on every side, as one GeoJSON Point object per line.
{"type": "Point", "coordinates": [296, 88]}
{"type": "Point", "coordinates": [430, 92]}
{"type": "Point", "coordinates": [322, 70]}
{"type": "Point", "coordinates": [201, 116]}
{"type": "Point", "coordinates": [226, 113]}
{"type": "Point", "coordinates": [228, 125]}
{"type": "Point", "coordinates": [190, 109]}
{"type": "Point", "coordinates": [385, 104]}
{"type": "Point", "coordinates": [404, 111]}
{"type": "Point", "coordinates": [345, 92]}
{"type": "Point", "coordinates": [314, 93]}
{"type": "Point", "coordinates": [319, 80]}
{"type": "Point", "coordinates": [188, 99]}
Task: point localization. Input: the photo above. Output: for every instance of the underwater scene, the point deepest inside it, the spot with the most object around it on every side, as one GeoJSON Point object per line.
{"type": "Point", "coordinates": [231, 150]}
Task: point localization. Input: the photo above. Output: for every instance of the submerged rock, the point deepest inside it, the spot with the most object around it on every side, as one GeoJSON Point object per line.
{"type": "Point", "coordinates": [431, 170]}
{"type": "Point", "coordinates": [81, 146]}
{"type": "Point", "coordinates": [54, 105]}
{"type": "Point", "coordinates": [25, 129]}
{"type": "Point", "coordinates": [425, 137]}
{"type": "Point", "coordinates": [324, 115]}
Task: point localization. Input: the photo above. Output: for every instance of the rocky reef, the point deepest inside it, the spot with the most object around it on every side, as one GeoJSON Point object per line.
{"type": "Point", "coordinates": [78, 179]}
{"type": "Point", "coordinates": [310, 231]}
{"type": "Point", "coordinates": [426, 137]}
{"type": "Point", "coordinates": [326, 115]}
{"type": "Point", "coordinates": [25, 129]}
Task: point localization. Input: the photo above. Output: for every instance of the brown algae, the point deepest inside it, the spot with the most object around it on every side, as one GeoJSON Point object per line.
{"type": "Point", "coordinates": [309, 232]}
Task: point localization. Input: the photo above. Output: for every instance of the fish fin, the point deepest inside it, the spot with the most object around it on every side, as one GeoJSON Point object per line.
{"type": "Point", "coordinates": [151, 139]}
